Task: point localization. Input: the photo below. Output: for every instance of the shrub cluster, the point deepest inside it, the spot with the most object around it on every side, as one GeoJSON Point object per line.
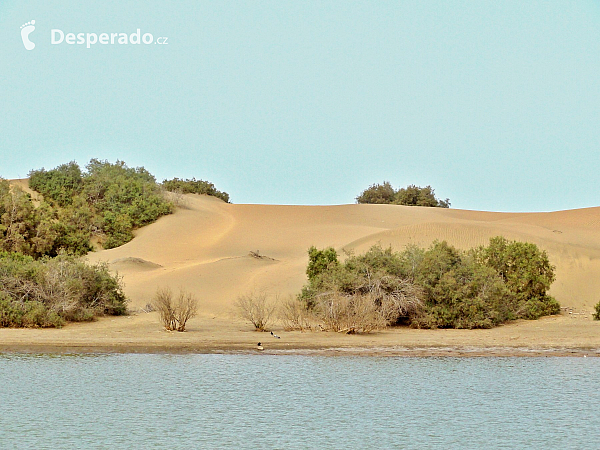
{"type": "Point", "coordinates": [193, 186]}
{"type": "Point", "coordinates": [109, 200]}
{"type": "Point", "coordinates": [23, 227]}
{"type": "Point", "coordinates": [438, 287]}
{"type": "Point", "coordinates": [49, 291]}
{"type": "Point", "coordinates": [363, 294]}
{"type": "Point", "coordinates": [410, 196]}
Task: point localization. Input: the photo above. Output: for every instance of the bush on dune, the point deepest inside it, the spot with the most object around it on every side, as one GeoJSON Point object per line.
{"type": "Point", "coordinates": [409, 196]}
{"type": "Point", "coordinates": [109, 200]}
{"type": "Point", "coordinates": [105, 200]}
{"type": "Point", "coordinates": [24, 228]}
{"type": "Point", "coordinates": [193, 186]}
{"type": "Point", "coordinates": [419, 196]}
{"type": "Point", "coordinates": [60, 184]}
{"type": "Point", "coordinates": [378, 194]}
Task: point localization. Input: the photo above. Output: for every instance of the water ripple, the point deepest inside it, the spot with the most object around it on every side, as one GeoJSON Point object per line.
{"type": "Point", "coordinates": [275, 401]}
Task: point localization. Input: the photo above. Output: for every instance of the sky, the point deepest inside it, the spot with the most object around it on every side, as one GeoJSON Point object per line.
{"type": "Point", "coordinates": [496, 105]}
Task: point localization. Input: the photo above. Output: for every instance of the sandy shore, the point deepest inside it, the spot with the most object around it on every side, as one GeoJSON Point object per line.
{"type": "Point", "coordinates": [563, 335]}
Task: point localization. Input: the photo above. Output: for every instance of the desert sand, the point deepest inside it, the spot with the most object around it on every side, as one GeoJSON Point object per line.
{"type": "Point", "coordinates": [205, 248]}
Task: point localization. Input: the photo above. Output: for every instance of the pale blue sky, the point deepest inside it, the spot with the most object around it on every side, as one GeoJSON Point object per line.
{"type": "Point", "coordinates": [495, 104]}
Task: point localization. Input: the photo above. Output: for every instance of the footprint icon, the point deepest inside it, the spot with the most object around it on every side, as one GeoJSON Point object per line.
{"type": "Point", "coordinates": [26, 30]}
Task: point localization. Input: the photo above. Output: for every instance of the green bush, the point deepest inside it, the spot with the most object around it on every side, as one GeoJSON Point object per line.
{"type": "Point", "coordinates": [438, 287]}
{"type": "Point", "coordinates": [33, 314]}
{"type": "Point", "coordinates": [49, 291]}
{"type": "Point", "coordinates": [193, 186]}
{"type": "Point", "coordinates": [59, 185]}
{"type": "Point", "coordinates": [597, 313]}
{"type": "Point", "coordinates": [108, 200]}
{"type": "Point", "coordinates": [485, 286]}
{"type": "Point", "coordinates": [320, 260]}
{"type": "Point", "coordinates": [465, 295]}
{"type": "Point", "coordinates": [123, 199]}
{"type": "Point", "coordinates": [23, 227]}
{"type": "Point", "coordinates": [11, 314]}
{"type": "Point", "coordinates": [37, 315]}
{"type": "Point", "coordinates": [378, 194]}
{"type": "Point", "coordinates": [419, 196]}
{"type": "Point", "coordinates": [409, 196]}
{"type": "Point", "coordinates": [105, 200]}
{"type": "Point", "coordinates": [525, 269]}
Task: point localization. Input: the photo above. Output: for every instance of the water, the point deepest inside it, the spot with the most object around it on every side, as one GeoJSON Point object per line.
{"type": "Point", "coordinates": [266, 401]}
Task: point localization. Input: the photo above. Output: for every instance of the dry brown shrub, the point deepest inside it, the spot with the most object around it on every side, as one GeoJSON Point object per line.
{"type": "Point", "coordinates": [350, 313]}
{"type": "Point", "coordinates": [177, 198]}
{"type": "Point", "coordinates": [404, 299]}
{"type": "Point", "coordinates": [185, 308]}
{"type": "Point", "coordinates": [257, 308]}
{"type": "Point", "coordinates": [372, 307]}
{"type": "Point", "coordinates": [174, 314]}
{"type": "Point", "coordinates": [294, 315]}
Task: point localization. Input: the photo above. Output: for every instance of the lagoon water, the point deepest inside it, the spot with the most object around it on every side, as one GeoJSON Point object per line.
{"type": "Point", "coordinates": [148, 401]}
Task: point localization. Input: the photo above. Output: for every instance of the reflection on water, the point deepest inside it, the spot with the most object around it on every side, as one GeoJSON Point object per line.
{"type": "Point", "coordinates": [266, 401]}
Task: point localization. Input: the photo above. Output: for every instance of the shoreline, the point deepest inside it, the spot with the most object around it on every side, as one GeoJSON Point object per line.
{"type": "Point", "coordinates": [562, 335]}
{"type": "Point", "coordinates": [408, 352]}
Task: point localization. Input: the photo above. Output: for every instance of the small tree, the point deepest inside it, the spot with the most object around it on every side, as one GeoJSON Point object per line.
{"type": "Point", "coordinates": [256, 308]}
{"type": "Point", "coordinates": [185, 308]}
{"type": "Point", "coordinates": [597, 314]}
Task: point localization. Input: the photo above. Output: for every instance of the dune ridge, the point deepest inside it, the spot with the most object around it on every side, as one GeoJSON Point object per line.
{"type": "Point", "coordinates": [205, 246]}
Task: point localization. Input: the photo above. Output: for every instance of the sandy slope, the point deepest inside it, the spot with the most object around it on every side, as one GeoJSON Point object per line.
{"type": "Point", "coordinates": [205, 248]}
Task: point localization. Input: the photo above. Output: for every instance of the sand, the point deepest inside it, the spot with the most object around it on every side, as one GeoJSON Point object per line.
{"type": "Point", "coordinates": [205, 248]}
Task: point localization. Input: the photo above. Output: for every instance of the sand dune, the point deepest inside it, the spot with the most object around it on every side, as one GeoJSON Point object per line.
{"type": "Point", "coordinates": [205, 247]}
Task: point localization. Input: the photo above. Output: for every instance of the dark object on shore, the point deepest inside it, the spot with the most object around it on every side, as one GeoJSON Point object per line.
{"type": "Point", "coordinates": [259, 346]}
{"type": "Point", "coordinates": [275, 336]}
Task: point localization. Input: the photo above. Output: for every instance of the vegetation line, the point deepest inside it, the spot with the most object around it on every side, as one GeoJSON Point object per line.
{"type": "Point", "coordinates": [438, 287]}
